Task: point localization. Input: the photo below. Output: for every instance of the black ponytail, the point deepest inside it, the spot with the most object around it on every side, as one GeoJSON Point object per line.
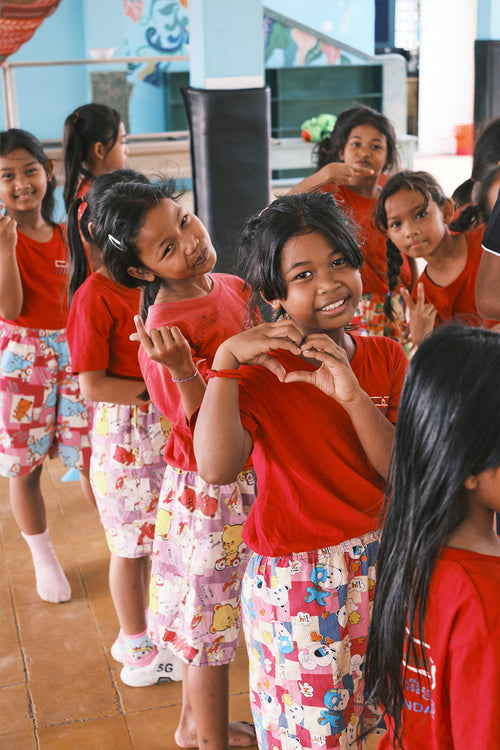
{"type": "Point", "coordinates": [78, 262]}
{"type": "Point", "coordinates": [394, 263]}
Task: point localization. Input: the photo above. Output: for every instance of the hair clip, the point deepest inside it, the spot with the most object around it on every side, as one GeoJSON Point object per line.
{"type": "Point", "coordinates": [115, 243]}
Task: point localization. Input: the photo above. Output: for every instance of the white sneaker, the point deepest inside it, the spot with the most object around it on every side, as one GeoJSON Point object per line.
{"type": "Point", "coordinates": [165, 667]}
{"type": "Point", "coordinates": [117, 650]}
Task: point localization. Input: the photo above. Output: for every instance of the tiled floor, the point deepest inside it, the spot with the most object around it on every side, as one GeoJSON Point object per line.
{"type": "Point", "coordinates": [59, 686]}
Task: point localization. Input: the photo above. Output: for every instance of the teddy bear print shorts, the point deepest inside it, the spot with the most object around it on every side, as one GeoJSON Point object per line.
{"type": "Point", "coordinates": [306, 618]}
{"type": "Point", "coordinates": [197, 566]}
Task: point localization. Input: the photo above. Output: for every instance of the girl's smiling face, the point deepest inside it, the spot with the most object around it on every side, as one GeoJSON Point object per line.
{"type": "Point", "coordinates": [173, 244]}
{"type": "Point", "coordinates": [323, 289]}
{"type": "Point", "coordinates": [365, 147]}
{"type": "Point", "coordinates": [23, 181]}
{"type": "Point", "coordinates": [416, 228]}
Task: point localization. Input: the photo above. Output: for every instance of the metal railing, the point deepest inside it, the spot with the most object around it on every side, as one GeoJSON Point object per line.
{"type": "Point", "coordinates": [9, 83]}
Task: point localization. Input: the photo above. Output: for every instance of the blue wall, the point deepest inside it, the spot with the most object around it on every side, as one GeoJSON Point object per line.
{"type": "Point", "coordinates": [46, 95]}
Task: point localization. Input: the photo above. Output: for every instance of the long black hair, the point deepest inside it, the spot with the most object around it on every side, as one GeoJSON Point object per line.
{"type": "Point", "coordinates": [15, 138]}
{"type": "Point", "coordinates": [79, 227]}
{"type": "Point", "coordinates": [329, 149]}
{"type": "Point", "coordinates": [85, 126]}
{"type": "Point", "coordinates": [448, 429]}
{"type": "Point", "coordinates": [430, 190]}
{"type": "Point", "coordinates": [118, 219]}
{"type": "Point", "coordinates": [264, 236]}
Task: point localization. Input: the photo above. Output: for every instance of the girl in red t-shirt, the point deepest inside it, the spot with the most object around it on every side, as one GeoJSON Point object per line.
{"type": "Point", "coordinates": [351, 164]}
{"type": "Point", "coordinates": [94, 143]}
{"type": "Point", "coordinates": [315, 406]}
{"type": "Point", "coordinates": [128, 438]}
{"type": "Point", "coordinates": [149, 240]}
{"type": "Point", "coordinates": [433, 655]}
{"type": "Point", "coordinates": [415, 214]}
{"type": "Point", "coordinates": [42, 412]}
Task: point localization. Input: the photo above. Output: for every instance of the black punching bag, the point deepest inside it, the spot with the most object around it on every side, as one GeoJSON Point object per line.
{"type": "Point", "coordinates": [230, 161]}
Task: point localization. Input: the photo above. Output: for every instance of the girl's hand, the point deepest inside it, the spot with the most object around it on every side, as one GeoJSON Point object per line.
{"type": "Point", "coordinates": [422, 314]}
{"type": "Point", "coordinates": [167, 346]}
{"type": "Point", "coordinates": [252, 347]}
{"type": "Point", "coordinates": [343, 174]}
{"type": "Point", "coordinates": [8, 233]}
{"type": "Point", "coordinates": [335, 376]}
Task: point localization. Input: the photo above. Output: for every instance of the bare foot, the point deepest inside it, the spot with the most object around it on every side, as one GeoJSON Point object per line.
{"type": "Point", "coordinates": [241, 734]}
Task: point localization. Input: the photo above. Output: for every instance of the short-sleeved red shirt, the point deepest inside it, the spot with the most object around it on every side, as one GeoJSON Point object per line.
{"type": "Point", "coordinates": [456, 706]}
{"type": "Point", "coordinates": [100, 322]}
{"type": "Point", "coordinates": [316, 487]}
{"type": "Point", "coordinates": [43, 267]}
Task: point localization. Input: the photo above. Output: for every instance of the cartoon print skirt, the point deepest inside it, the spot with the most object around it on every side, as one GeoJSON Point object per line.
{"type": "Point", "coordinates": [126, 473]}
{"type": "Point", "coordinates": [306, 618]}
{"type": "Point", "coordinates": [42, 412]}
{"type": "Point", "coordinates": [198, 563]}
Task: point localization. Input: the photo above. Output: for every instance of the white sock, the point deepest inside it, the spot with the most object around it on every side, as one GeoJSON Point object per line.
{"type": "Point", "coordinates": [51, 583]}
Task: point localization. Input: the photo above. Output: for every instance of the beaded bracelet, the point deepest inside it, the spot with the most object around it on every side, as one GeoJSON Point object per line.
{"type": "Point", "coordinates": [235, 374]}
{"type": "Point", "coordinates": [186, 380]}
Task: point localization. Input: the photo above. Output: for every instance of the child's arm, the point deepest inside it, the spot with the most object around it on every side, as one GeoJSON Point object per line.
{"type": "Point", "coordinates": [334, 172]}
{"type": "Point", "coordinates": [11, 289]}
{"type": "Point", "coordinates": [168, 347]}
{"type": "Point", "coordinates": [95, 385]}
{"type": "Point", "coordinates": [221, 444]}
{"type": "Point", "coordinates": [336, 378]}
{"type": "Point", "coordinates": [422, 314]}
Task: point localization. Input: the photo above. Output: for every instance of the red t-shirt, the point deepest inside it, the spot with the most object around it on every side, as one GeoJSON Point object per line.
{"type": "Point", "coordinates": [372, 241]}
{"type": "Point", "coordinates": [43, 267]}
{"type": "Point", "coordinates": [205, 322]}
{"type": "Point", "coordinates": [316, 487]}
{"type": "Point", "coordinates": [458, 299]}
{"type": "Point", "coordinates": [100, 322]}
{"type": "Point", "coordinates": [460, 710]}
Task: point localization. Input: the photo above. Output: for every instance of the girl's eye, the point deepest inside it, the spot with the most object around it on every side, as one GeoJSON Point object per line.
{"type": "Point", "coordinates": [168, 249]}
{"type": "Point", "coordinates": [394, 224]}
{"type": "Point", "coordinates": [302, 275]}
{"type": "Point", "coordinates": [338, 262]}
{"type": "Point", "coordinates": [421, 214]}
{"type": "Point", "coordinates": [184, 220]}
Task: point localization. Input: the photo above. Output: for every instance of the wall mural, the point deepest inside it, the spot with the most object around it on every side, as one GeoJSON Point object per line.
{"type": "Point", "coordinates": [162, 26]}
{"type": "Point", "coordinates": [286, 46]}
{"type": "Point", "coordinates": [155, 27]}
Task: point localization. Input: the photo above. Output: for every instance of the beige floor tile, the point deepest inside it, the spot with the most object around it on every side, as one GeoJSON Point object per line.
{"type": "Point", "coordinates": [73, 654]}
{"type": "Point", "coordinates": [11, 662]}
{"type": "Point", "coordinates": [45, 620]}
{"type": "Point", "coordinates": [70, 699]}
{"type": "Point", "coordinates": [19, 741]}
{"type": "Point", "coordinates": [98, 734]}
{"type": "Point", "coordinates": [15, 710]}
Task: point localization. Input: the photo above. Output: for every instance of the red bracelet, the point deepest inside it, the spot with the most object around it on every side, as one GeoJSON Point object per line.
{"type": "Point", "coordinates": [222, 374]}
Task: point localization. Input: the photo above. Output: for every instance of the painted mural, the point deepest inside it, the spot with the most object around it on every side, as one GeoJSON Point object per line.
{"type": "Point", "coordinates": [162, 27]}
{"type": "Point", "coordinates": [286, 46]}
{"type": "Point", "coordinates": [155, 27]}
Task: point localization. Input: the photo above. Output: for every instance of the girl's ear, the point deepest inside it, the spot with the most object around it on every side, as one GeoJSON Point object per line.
{"type": "Point", "coordinates": [49, 168]}
{"type": "Point", "coordinates": [98, 151]}
{"type": "Point", "coordinates": [472, 482]}
{"type": "Point", "coordinates": [448, 209]}
{"type": "Point", "coordinates": [143, 274]}
{"type": "Point", "coordinates": [274, 303]}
